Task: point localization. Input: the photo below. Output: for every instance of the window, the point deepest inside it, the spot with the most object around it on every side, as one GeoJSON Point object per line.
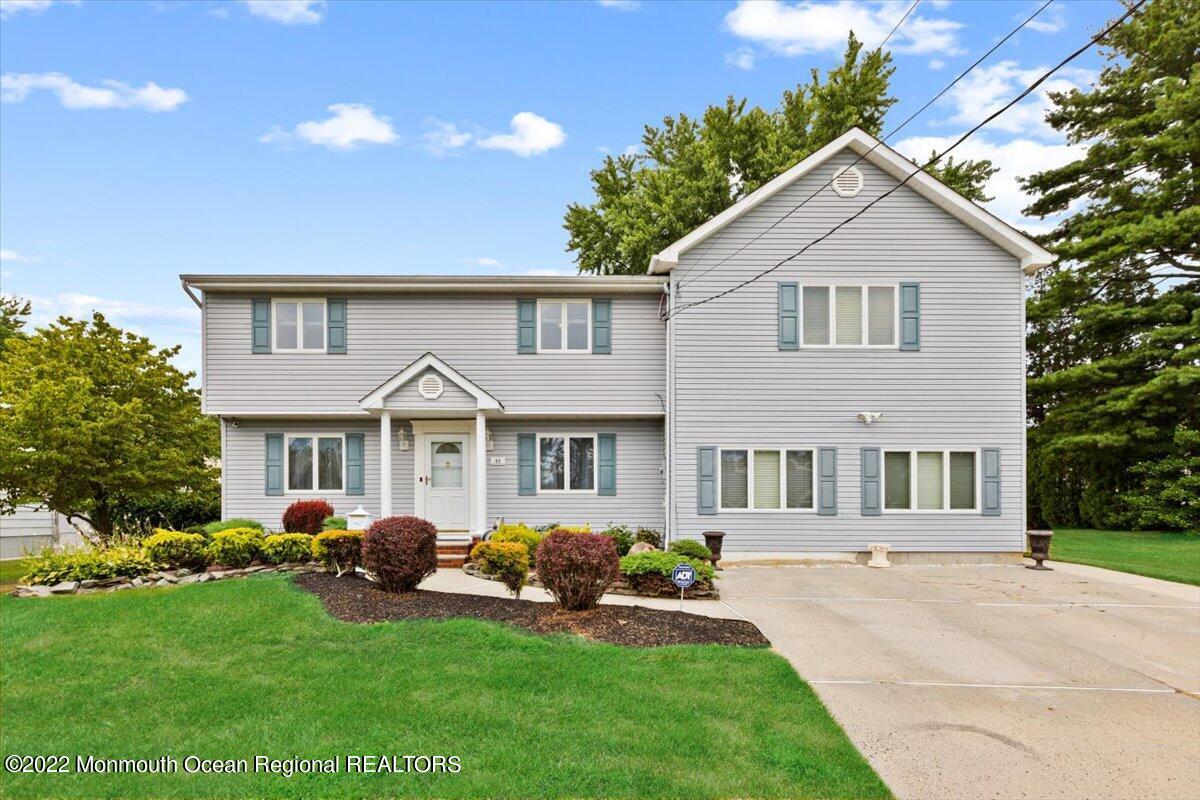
{"type": "Point", "coordinates": [299, 326]}
{"type": "Point", "coordinates": [319, 458]}
{"type": "Point", "coordinates": [566, 463]}
{"type": "Point", "coordinates": [849, 316]}
{"type": "Point", "coordinates": [767, 480]}
{"type": "Point", "coordinates": [936, 480]}
{"type": "Point", "coordinates": [564, 326]}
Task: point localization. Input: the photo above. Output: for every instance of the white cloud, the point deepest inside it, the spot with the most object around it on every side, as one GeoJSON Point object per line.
{"type": "Point", "coordinates": [1053, 22]}
{"type": "Point", "coordinates": [621, 5]}
{"type": "Point", "coordinates": [220, 12]}
{"type": "Point", "coordinates": [529, 135]}
{"type": "Point", "coordinates": [936, 63]}
{"type": "Point", "coordinates": [15, 87]}
{"type": "Point", "coordinates": [483, 262]}
{"type": "Point", "coordinates": [742, 58]}
{"type": "Point", "coordinates": [441, 137]}
{"type": "Point", "coordinates": [792, 29]}
{"type": "Point", "coordinates": [9, 8]}
{"type": "Point", "coordinates": [15, 257]}
{"type": "Point", "coordinates": [986, 89]}
{"type": "Point", "coordinates": [351, 125]}
{"type": "Point", "coordinates": [287, 12]}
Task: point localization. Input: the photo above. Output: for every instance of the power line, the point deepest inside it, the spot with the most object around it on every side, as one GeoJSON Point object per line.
{"type": "Point", "coordinates": [1024, 93]}
{"type": "Point", "coordinates": [896, 27]}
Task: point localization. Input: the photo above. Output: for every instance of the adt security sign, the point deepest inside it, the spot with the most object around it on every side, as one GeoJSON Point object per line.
{"type": "Point", "coordinates": [683, 576]}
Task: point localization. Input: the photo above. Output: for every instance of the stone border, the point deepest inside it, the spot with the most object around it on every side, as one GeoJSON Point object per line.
{"type": "Point", "coordinates": [177, 577]}
{"type": "Point", "coordinates": [620, 586]}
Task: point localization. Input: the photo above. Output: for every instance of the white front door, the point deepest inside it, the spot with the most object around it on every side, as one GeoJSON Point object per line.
{"type": "Point", "coordinates": [446, 481]}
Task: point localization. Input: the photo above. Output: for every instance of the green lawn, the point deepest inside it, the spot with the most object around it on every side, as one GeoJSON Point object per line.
{"type": "Point", "coordinates": [256, 667]}
{"type": "Point", "coordinates": [11, 571]}
{"type": "Point", "coordinates": [1170, 556]}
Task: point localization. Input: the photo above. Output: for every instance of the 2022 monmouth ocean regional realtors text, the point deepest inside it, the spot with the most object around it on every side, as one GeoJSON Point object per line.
{"type": "Point", "coordinates": [353, 763]}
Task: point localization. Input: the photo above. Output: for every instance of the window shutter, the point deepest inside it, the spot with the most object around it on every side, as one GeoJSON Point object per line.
{"type": "Point", "coordinates": [335, 339]}
{"type": "Point", "coordinates": [274, 460]}
{"type": "Point", "coordinates": [872, 504]}
{"type": "Point", "coordinates": [789, 316]}
{"type": "Point", "coordinates": [355, 464]}
{"type": "Point", "coordinates": [602, 326]}
{"type": "Point", "coordinates": [260, 325]}
{"type": "Point", "coordinates": [910, 316]}
{"type": "Point", "coordinates": [827, 481]}
{"type": "Point", "coordinates": [706, 480]}
{"type": "Point", "coordinates": [991, 481]}
{"type": "Point", "coordinates": [606, 464]}
{"type": "Point", "coordinates": [526, 326]}
{"type": "Point", "coordinates": [526, 464]}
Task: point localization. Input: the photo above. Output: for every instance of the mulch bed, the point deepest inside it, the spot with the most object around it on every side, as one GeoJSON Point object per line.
{"type": "Point", "coordinates": [355, 599]}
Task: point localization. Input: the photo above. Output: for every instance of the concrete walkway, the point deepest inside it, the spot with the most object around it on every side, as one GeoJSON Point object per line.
{"type": "Point", "coordinates": [996, 681]}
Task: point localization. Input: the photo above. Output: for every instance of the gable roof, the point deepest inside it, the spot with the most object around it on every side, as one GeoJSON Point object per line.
{"type": "Point", "coordinates": [375, 400]}
{"type": "Point", "coordinates": [1032, 256]}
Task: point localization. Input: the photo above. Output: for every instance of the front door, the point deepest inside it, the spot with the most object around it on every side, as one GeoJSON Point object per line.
{"type": "Point", "coordinates": [446, 481]}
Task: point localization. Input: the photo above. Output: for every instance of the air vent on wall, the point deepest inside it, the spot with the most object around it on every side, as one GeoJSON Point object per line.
{"type": "Point", "coordinates": [430, 386]}
{"type": "Point", "coordinates": [848, 182]}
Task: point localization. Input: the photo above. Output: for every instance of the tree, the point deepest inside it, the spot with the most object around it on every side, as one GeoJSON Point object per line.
{"type": "Point", "coordinates": [96, 418]}
{"type": "Point", "coordinates": [13, 313]}
{"type": "Point", "coordinates": [689, 170]}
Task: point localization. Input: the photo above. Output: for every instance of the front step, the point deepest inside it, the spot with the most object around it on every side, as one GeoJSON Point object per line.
{"type": "Point", "coordinates": [452, 555]}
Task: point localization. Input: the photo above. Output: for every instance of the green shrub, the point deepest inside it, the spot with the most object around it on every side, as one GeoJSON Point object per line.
{"type": "Point", "coordinates": [176, 549]}
{"type": "Point", "coordinates": [236, 547]}
{"type": "Point", "coordinates": [86, 564]}
{"type": "Point", "coordinates": [690, 548]}
{"type": "Point", "coordinates": [284, 547]}
{"type": "Point", "coordinates": [228, 524]}
{"type": "Point", "coordinates": [573, 528]}
{"type": "Point", "coordinates": [649, 536]}
{"type": "Point", "coordinates": [333, 524]}
{"type": "Point", "coordinates": [622, 537]}
{"type": "Point", "coordinates": [544, 529]}
{"type": "Point", "coordinates": [338, 551]}
{"type": "Point", "coordinates": [508, 561]}
{"type": "Point", "coordinates": [520, 534]}
{"type": "Point", "coordinates": [656, 562]}
{"type": "Point", "coordinates": [197, 529]}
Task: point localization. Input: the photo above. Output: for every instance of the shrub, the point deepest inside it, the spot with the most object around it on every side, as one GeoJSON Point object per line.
{"type": "Point", "coordinates": [333, 524]}
{"type": "Point", "coordinates": [649, 537]}
{"type": "Point", "coordinates": [508, 561]}
{"type": "Point", "coordinates": [520, 534]}
{"type": "Point", "coordinates": [86, 564]}
{"type": "Point", "coordinates": [690, 548]}
{"type": "Point", "coordinates": [228, 524]}
{"type": "Point", "coordinates": [622, 537]}
{"type": "Point", "coordinates": [197, 529]}
{"type": "Point", "coordinates": [577, 568]}
{"type": "Point", "coordinates": [236, 547]}
{"type": "Point", "coordinates": [400, 552]}
{"type": "Point", "coordinates": [338, 551]}
{"type": "Point", "coordinates": [573, 528]}
{"type": "Point", "coordinates": [306, 516]}
{"type": "Point", "coordinates": [284, 547]}
{"type": "Point", "coordinates": [176, 511]}
{"type": "Point", "coordinates": [549, 526]}
{"type": "Point", "coordinates": [175, 549]}
{"type": "Point", "coordinates": [650, 572]}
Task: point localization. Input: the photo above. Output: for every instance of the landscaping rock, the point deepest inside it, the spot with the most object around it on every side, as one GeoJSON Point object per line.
{"type": "Point", "coordinates": [66, 587]}
{"type": "Point", "coordinates": [641, 547]}
{"type": "Point", "coordinates": [32, 591]}
{"type": "Point", "coordinates": [162, 582]}
{"type": "Point", "coordinates": [88, 584]}
{"type": "Point", "coordinates": [138, 582]}
{"type": "Point", "coordinates": [204, 577]}
{"type": "Point", "coordinates": [182, 572]}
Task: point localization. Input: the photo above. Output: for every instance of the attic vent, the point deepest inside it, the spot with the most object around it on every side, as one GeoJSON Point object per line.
{"type": "Point", "coordinates": [848, 182]}
{"type": "Point", "coordinates": [430, 386]}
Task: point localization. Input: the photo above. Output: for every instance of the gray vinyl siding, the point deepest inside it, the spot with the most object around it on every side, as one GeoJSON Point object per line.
{"type": "Point", "coordinates": [453, 396]}
{"type": "Point", "coordinates": [734, 387]}
{"type": "Point", "coordinates": [476, 334]}
{"type": "Point", "coordinates": [31, 528]}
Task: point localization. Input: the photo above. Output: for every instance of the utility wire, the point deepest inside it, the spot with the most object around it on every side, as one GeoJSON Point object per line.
{"type": "Point", "coordinates": [1024, 93]}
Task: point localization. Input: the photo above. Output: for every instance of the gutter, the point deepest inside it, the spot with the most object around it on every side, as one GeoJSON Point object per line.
{"type": "Point", "coordinates": [187, 289]}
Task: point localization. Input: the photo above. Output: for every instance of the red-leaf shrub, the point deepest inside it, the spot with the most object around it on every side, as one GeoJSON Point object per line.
{"type": "Point", "coordinates": [577, 568]}
{"type": "Point", "coordinates": [306, 516]}
{"type": "Point", "coordinates": [400, 552]}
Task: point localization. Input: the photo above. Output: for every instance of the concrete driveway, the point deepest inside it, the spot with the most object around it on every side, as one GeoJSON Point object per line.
{"type": "Point", "coordinates": [996, 681]}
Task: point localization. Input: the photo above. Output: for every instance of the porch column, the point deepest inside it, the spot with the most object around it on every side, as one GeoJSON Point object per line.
{"type": "Point", "coordinates": [385, 464]}
{"type": "Point", "coordinates": [479, 501]}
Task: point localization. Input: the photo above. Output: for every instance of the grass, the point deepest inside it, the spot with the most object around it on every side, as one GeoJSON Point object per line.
{"type": "Point", "coordinates": [256, 667]}
{"type": "Point", "coordinates": [1170, 556]}
{"type": "Point", "coordinates": [11, 571]}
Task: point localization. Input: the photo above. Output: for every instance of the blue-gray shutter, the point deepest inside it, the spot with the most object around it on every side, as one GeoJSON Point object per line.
{"type": "Point", "coordinates": [789, 316]}
{"type": "Point", "coordinates": [706, 480]}
{"type": "Point", "coordinates": [260, 325]}
{"type": "Point", "coordinates": [355, 464]}
{"type": "Point", "coordinates": [526, 326]}
{"type": "Point", "coordinates": [602, 326]}
{"type": "Point", "coordinates": [274, 461]}
{"type": "Point", "coordinates": [990, 507]}
{"type": "Point", "coordinates": [526, 464]}
{"type": "Point", "coordinates": [335, 315]}
{"type": "Point", "coordinates": [606, 464]}
{"type": "Point", "coordinates": [910, 316]}
{"type": "Point", "coordinates": [827, 481]}
{"type": "Point", "coordinates": [872, 495]}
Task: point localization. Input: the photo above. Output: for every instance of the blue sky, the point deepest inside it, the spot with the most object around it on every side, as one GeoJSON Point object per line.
{"type": "Point", "coordinates": [139, 140]}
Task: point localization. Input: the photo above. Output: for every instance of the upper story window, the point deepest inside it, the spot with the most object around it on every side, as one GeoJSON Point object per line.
{"type": "Point", "coordinates": [849, 316]}
{"type": "Point", "coordinates": [299, 326]}
{"type": "Point", "coordinates": [767, 480]}
{"type": "Point", "coordinates": [930, 480]}
{"type": "Point", "coordinates": [315, 463]}
{"type": "Point", "coordinates": [564, 326]}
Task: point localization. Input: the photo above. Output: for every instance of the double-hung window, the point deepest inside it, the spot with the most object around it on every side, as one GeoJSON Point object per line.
{"type": "Point", "coordinates": [299, 326]}
{"type": "Point", "coordinates": [564, 326]}
{"type": "Point", "coordinates": [930, 480]}
{"type": "Point", "coordinates": [848, 316]}
{"type": "Point", "coordinates": [766, 479]}
{"type": "Point", "coordinates": [315, 463]}
{"type": "Point", "coordinates": [566, 463]}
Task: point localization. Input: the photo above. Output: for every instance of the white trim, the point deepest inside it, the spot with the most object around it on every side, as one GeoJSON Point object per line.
{"type": "Point", "coordinates": [783, 506]}
{"type": "Point", "coordinates": [1032, 256]}
{"type": "Point", "coordinates": [385, 464]}
{"type": "Point", "coordinates": [478, 510]}
{"type": "Point", "coordinates": [376, 399]}
{"type": "Point", "coordinates": [863, 313]}
{"type": "Point", "coordinates": [316, 476]}
{"type": "Point", "coordinates": [422, 429]}
{"type": "Point", "coordinates": [850, 170]}
{"type": "Point", "coordinates": [566, 437]}
{"type": "Point", "coordinates": [392, 284]}
{"type": "Point", "coordinates": [299, 303]}
{"type": "Point", "coordinates": [562, 325]}
{"type": "Point", "coordinates": [437, 387]}
{"type": "Point", "coordinates": [912, 480]}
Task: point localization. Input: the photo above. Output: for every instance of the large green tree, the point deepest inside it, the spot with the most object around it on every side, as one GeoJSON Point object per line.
{"type": "Point", "coordinates": [689, 170]}
{"type": "Point", "coordinates": [95, 418]}
{"type": "Point", "coordinates": [1114, 338]}
{"type": "Point", "coordinates": [13, 313]}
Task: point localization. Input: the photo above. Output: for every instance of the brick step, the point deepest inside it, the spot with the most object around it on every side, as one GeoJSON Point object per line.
{"type": "Point", "coordinates": [451, 562]}
{"type": "Point", "coordinates": [454, 549]}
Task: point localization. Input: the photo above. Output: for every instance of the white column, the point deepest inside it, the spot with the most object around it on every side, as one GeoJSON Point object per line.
{"type": "Point", "coordinates": [385, 464]}
{"type": "Point", "coordinates": [479, 488]}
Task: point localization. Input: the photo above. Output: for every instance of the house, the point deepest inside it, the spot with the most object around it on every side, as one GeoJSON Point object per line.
{"type": "Point", "coordinates": [869, 390]}
{"type": "Point", "coordinates": [30, 528]}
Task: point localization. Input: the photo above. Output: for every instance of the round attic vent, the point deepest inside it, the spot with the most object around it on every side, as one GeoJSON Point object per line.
{"type": "Point", "coordinates": [430, 386]}
{"type": "Point", "coordinates": [848, 182]}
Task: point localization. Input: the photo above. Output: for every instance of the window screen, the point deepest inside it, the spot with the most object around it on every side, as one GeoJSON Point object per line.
{"type": "Point", "coordinates": [766, 479]}
{"type": "Point", "coordinates": [962, 481]}
{"type": "Point", "coordinates": [881, 313]}
{"type": "Point", "coordinates": [929, 481]}
{"type": "Point", "coordinates": [734, 476]}
{"type": "Point", "coordinates": [799, 479]}
{"type": "Point", "coordinates": [896, 480]}
{"type": "Point", "coordinates": [848, 300]}
{"type": "Point", "coordinates": [816, 315]}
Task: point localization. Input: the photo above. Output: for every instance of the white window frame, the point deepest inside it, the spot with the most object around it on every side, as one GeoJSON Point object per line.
{"type": "Point", "coordinates": [563, 325]}
{"type": "Point", "coordinates": [299, 301]}
{"type": "Point", "coordinates": [912, 480]}
{"type": "Point", "coordinates": [862, 287]}
{"type": "Point", "coordinates": [287, 463]}
{"type": "Point", "coordinates": [750, 509]}
{"type": "Point", "coordinates": [566, 437]}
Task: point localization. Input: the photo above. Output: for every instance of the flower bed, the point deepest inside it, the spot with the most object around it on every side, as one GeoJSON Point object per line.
{"type": "Point", "coordinates": [167, 577]}
{"type": "Point", "coordinates": [622, 585]}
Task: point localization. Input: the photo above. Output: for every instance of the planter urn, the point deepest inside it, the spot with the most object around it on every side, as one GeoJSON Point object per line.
{"type": "Point", "coordinates": [712, 540]}
{"type": "Point", "coordinates": [1039, 548]}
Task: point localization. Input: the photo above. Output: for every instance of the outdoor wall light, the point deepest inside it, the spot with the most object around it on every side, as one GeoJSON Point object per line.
{"type": "Point", "coordinates": [867, 417]}
{"type": "Point", "coordinates": [402, 438]}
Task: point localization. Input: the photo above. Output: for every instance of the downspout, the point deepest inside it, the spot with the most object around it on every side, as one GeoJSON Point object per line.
{"type": "Point", "coordinates": [188, 291]}
{"type": "Point", "coordinates": [669, 472]}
